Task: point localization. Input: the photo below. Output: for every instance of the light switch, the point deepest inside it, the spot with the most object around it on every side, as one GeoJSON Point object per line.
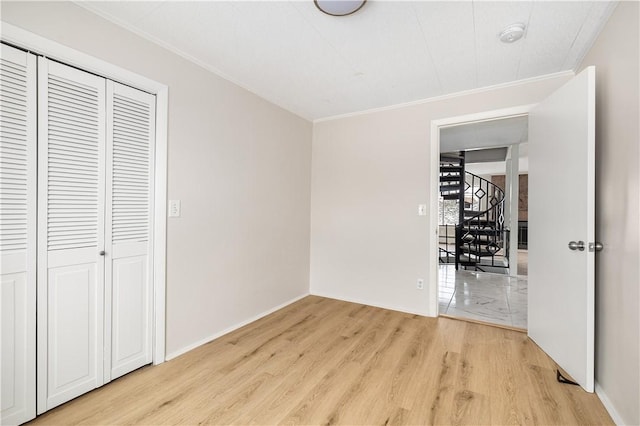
{"type": "Point", "coordinates": [422, 209]}
{"type": "Point", "coordinates": [174, 208]}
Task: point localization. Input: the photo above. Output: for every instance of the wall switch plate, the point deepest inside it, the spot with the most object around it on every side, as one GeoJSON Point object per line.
{"type": "Point", "coordinates": [420, 284]}
{"type": "Point", "coordinates": [422, 209]}
{"type": "Point", "coordinates": [174, 208]}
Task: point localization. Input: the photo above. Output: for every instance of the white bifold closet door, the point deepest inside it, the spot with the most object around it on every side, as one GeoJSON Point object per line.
{"type": "Point", "coordinates": [71, 175]}
{"type": "Point", "coordinates": [17, 235]}
{"type": "Point", "coordinates": [95, 221]}
{"type": "Point", "coordinates": [130, 154]}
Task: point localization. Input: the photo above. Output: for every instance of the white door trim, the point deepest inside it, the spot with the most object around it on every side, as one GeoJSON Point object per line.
{"type": "Point", "coordinates": [53, 50]}
{"type": "Point", "coordinates": [436, 125]}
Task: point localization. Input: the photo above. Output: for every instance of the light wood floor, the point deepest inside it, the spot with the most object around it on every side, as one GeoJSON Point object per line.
{"type": "Point", "coordinates": [322, 361]}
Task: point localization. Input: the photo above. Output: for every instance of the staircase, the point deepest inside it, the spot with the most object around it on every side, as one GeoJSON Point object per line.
{"type": "Point", "coordinates": [479, 238]}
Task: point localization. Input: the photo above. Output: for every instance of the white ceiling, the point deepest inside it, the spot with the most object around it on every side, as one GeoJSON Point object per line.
{"type": "Point", "coordinates": [497, 168]}
{"type": "Point", "coordinates": [500, 167]}
{"type": "Point", "coordinates": [485, 134]}
{"type": "Point", "coordinates": [388, 53]}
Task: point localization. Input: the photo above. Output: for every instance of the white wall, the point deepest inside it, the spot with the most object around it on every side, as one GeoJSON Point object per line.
{"type": "Point", "coordinates": [616, 55]}
{"type": "Point", "coordinates": [240, 166]}
{"type": "Point", "coordinates": [369, 173]}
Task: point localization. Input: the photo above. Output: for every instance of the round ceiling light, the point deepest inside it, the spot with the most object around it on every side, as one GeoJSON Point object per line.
{"type": "Point", "coordinates": [339, 7]}
{"type": "Point", "coordinates": [513, 32]}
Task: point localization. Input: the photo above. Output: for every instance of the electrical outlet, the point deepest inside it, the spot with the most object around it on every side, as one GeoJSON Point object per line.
{"type": "Point", "coordinates": [420, 284]}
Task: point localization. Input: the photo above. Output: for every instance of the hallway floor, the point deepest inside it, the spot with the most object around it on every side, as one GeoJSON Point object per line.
{"type": "Point", "coordinates": [493, 298]}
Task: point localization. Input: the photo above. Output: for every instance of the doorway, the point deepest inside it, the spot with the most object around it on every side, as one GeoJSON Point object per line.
{"type": "Point", "coordinates": [481, 249]}
{"type": "Point", "coordinates": [560, 302]}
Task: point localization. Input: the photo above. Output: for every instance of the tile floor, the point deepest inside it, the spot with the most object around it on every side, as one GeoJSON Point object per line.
{"type": "Point", "coordinates": [494, 298]}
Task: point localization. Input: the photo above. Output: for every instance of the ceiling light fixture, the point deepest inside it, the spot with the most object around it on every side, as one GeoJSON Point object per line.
{"type": "Point", "coordinates": [513, 32]}
{"type": "Point", "coordinates": [339, 7]}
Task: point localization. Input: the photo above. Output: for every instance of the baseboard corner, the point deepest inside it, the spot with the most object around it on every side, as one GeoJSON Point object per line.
{"type": "Point", "coordinates": [228, 330]}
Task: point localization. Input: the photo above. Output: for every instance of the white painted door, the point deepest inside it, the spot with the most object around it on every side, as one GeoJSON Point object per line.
{"type": "Point", "coordinates": [71, 185]}
{"type": "Point", "coordinates": [129, 218]}
{"type": "Point", "coordinates": [17, 235]}
{"type": "Point", "coordinates": [561, 210]}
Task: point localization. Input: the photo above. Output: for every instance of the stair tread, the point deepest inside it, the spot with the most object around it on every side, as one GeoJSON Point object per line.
{"type": "Point", "coordinates": [478, 238]}
{"type": "Point", "coordinates": [451, 196]}
{"type": "Point", "coordinates": [450, 188]}
{"type": "Point", "coordinates": [483, 232]}
{"type": "Point", "coordinates": [479, 253]}
{"type": "Point", "coordinates": [481, 222]}
{"type": "Point", "coordinates": [451, 168]}
{"type": "Point", "coordinates": [450, 178]}
{"type": "Point", "coordinates": [477, 245]}
{"type": "Point", "coordinates": [451, 155]}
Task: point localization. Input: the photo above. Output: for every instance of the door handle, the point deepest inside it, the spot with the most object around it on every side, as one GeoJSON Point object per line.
{"type": "Point", "coordinates": [102, 252]}
{"type": "Point", "coordinates": [576, 246]}
{"type": "Point", "coordinates": [595, 246]}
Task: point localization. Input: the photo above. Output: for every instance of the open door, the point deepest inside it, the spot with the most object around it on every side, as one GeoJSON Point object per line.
{"type": "Point", "coordinates": [561, 210]}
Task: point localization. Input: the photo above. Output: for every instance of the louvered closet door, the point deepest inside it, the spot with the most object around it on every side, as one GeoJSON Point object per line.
{"type": "Point", "coordinates": [130, 153]}
{"type": "Point", "coordinates": [18, 235]}
{"type": "Point", "coordinates": [71, 150]}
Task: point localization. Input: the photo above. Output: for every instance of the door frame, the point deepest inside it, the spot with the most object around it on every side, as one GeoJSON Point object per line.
{"type": "Point", "coordinates": [53, 50]}
{"type": "Point", "coordinates": [436, 125]}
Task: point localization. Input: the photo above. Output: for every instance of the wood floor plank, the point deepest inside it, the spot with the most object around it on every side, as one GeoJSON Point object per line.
{"type": "Point", "coordinates": [310, 367]}
{"type": "Point", "coordinates": [323, 361]}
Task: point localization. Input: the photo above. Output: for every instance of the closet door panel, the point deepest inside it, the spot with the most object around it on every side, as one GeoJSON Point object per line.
{"type": "Point", "coordinates": [17, 235]}
{"type": "Point", "coordinates": [72, 322]}
{"type": "Point", "coordinates": [130, 309]}
{"type": "Point", "coordinates": [72, 135]}
{"type": "Point", "coordinates": [16, 389]}
{"type": "Point", "coordinates": [130, 154]}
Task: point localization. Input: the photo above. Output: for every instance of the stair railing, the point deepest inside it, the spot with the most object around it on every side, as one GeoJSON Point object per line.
{"type": "Point", "coordinates": [481, 233]}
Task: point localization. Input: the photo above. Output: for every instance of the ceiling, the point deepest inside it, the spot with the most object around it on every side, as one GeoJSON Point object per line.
{"type": "Point", "coordinates": [485, 134]}
{"type": "Point", "coordinates": [480, 139]}
{"type": "Point", "coordinates": [500, 167]}
{"type": "Point", "coordinates": [486, 155]}
{"type": "Point", "coordinates": [388, 53]}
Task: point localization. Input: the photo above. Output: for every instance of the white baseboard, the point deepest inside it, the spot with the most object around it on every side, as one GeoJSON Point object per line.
{"type": "Point", "coordinates": [369, 303]}
{"type": "Point", "coordinates": [208, 339]}
{"type": "Point", "coordinates": [617, 418]}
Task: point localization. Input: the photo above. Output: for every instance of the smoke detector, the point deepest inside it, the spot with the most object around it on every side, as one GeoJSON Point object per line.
{"type": "Point", "coordinates": [513, 32]}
